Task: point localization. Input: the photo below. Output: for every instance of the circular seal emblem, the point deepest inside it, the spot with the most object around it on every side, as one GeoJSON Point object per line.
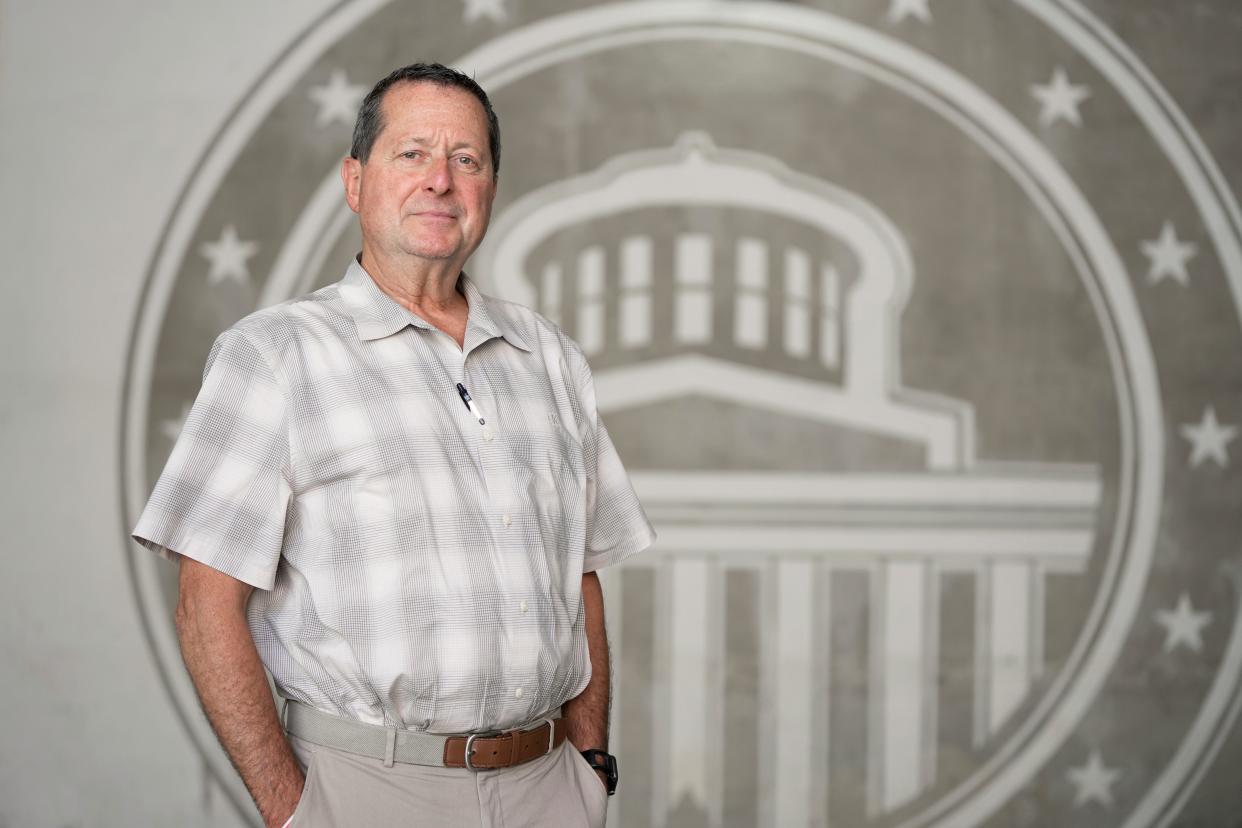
{"type": "Point", "coordinates": [898, 352]}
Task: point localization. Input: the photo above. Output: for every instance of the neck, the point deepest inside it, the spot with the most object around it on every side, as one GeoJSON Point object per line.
{"type": "Point", "coordinates": [417, 284]}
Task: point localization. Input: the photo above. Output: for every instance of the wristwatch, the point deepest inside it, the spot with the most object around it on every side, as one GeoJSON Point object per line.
{"type": "Point", "coordinates": [602, 760]}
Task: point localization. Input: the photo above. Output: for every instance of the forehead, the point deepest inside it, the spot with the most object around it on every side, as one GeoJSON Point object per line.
{"type": "Point", "coordinates": [411, 108]}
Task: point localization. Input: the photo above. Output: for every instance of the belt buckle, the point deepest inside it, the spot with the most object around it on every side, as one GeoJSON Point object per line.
{"type": "Point", "coordinates": [470, 746]}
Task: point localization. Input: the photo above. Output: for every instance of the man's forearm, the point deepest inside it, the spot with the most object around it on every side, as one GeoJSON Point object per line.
{"type": "Point", "coordinates": [586, 717]}
{"type": "Point", "coordinates": [220, 655]}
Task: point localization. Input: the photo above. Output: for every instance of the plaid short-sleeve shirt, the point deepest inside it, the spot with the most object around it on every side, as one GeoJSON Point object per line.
{"type": "Point", "coordinates": [414, 568]}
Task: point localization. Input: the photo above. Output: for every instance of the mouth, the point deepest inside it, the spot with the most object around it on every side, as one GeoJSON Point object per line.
{"type": "Point", "coordinates": [436, 215]}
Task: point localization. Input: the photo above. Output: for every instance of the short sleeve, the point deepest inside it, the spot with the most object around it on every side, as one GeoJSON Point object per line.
{"type": "Point", "coordinates": [617, 526]}
{"type": "Point", "coordinates": [223, 494]}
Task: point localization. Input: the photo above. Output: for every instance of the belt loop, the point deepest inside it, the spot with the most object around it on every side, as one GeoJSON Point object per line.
{"type": "Point", "coordinates": [390, 749]}
{"type": "Point", "coordinates": [551, 735]}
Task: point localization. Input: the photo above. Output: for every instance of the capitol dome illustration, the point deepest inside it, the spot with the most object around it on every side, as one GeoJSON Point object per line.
{"type": "Point", "coordinates": [785, 634]}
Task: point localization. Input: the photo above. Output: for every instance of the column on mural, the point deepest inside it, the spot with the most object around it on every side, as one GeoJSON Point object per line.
{"type": "Point", "coordinates": [1010, 630]}
{"type": "Point", "coordinates": [695, 690]}
{"type": "Point", "coordinates": [794, 689]}
{"type": "Point", "coordinates": [903, 694]}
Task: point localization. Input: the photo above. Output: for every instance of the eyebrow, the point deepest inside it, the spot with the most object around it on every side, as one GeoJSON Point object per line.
{"type": "Point", "coordinates": [425, 142]}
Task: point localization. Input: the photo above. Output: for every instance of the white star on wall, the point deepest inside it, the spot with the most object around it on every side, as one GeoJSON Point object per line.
{"type": "Point", "coordinates": [492, 9]}
{"type": "Point", "coordinates": [899, 10]}
{"type": "Point", "coordinates": [171, 428]}
{"type": "Point", "coordinates": [338, 99]}
{"type": "Point", "coordinates": [1168, 256]}
{"type": "Point", "coordinates": [1209, 439]}
{"type": "Point", "coordinates": [1093, 782]}
{"type": "Point", "coordinates": [1059, 99]}
{"type": "Point", "coordinates": [1183, 625]}
{"type": "Point", "coordinates": [228, 257]}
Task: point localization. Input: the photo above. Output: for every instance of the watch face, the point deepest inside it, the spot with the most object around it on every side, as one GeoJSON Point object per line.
{"type": "Point", "coordinates": [610, 767]}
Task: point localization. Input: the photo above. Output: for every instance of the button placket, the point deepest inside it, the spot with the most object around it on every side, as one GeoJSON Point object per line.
{"type": "Point", "coordinates": [496, 482]}
{"type": "Point", "coordinates": [454, 364]}
{"type": "Point", "coordinates": [473, 410]}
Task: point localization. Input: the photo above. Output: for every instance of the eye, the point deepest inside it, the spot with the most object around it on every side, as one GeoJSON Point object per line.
{"type": "Point", "coordinates": [412, 154]}
{"type": "Point", "coordinates": [467, 161]}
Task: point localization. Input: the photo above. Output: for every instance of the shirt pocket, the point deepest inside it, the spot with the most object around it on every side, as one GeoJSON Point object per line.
{"type": "Point", "coordinates": [565, 464]}
{"type": "Point", "coordinates": [560, 471]}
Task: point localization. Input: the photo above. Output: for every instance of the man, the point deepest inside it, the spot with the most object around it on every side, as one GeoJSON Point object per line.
{"type": "Point", "coordinates": [394, 494]}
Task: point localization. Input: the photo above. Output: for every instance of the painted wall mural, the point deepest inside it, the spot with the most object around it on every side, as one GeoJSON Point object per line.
{"type": "Point", "coordinates": [917, 325]}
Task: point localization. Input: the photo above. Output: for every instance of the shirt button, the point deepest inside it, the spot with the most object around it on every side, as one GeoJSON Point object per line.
{"type": "Point", "coordinates": [487, 434]}
{"type": "Point", "coordinates": [519, 692]}
{"type": "Point", "coordinates": [507, 519]}
{"type": "Point", "coordinates": [523, 606]}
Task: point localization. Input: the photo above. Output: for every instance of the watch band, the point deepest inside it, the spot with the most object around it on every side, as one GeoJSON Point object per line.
{"type": "Point", "coordinates": [603, 761]}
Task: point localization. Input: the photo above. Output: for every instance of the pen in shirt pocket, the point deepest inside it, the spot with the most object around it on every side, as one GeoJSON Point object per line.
{"type": "Point", "coordinates": [469, 401]}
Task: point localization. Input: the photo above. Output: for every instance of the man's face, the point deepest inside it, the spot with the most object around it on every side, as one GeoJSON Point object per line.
{"type": "Point", "coordinates": [427, 188]}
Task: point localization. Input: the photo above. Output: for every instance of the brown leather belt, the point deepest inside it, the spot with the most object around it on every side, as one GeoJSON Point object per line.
{"type": "Point", "coordinates": [475, 751]}
{"type": "Point", "coordinates": [503, 750]}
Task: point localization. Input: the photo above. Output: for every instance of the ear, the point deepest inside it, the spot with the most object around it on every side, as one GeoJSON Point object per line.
{"type": "Point", "coordinates": [351, 177]}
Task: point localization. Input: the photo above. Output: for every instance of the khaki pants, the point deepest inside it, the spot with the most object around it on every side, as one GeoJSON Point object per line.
{"type": "Point", "coordinates": [344, 790]}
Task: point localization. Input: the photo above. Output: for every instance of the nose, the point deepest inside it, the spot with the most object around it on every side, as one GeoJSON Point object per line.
{"type": "Point", "coordinates": [439, 178]}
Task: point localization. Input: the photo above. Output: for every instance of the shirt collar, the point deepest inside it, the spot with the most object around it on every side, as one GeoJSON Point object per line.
{"type": "Point", "coordinates": [377, 315]}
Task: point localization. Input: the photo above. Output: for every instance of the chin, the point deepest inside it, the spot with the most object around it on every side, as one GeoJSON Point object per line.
{"type": "Point", "coordinates": [435, 252]}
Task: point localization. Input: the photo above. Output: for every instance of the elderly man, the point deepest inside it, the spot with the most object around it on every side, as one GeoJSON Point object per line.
{"type": "Point", "coordinates": [394, 493]}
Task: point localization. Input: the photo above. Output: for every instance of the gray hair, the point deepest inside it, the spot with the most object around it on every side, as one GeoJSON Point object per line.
{"type": "Point", "coordinates": [370, 121]}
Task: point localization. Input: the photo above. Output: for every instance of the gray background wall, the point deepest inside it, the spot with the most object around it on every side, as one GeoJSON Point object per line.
{"type": "Point", "coordinates": [106, 112]}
